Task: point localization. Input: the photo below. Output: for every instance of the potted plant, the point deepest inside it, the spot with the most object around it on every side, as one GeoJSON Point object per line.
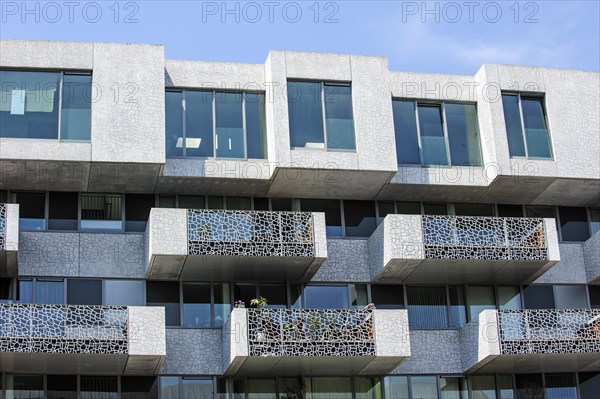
{"type": "Point", "coordinates": [259, 302]}
{"type": "Point", "coordinates": [205, 231]}
{"type": "Point", "coordinates": [239, 304]}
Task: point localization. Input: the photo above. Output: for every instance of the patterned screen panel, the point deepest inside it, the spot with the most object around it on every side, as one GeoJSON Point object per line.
{"type": "Point", "coordinates": [487, 238]}
{"type": "Point", "coordinates": [2, 226]}
{"type": "Point", "coordinates": [63, 329]}
{"type": "Point", "coordinates": [540, 331]}
{"type": "Point", "coordinates": [250, 233]}
{"type": "Point", "coordinates": [310, 332]}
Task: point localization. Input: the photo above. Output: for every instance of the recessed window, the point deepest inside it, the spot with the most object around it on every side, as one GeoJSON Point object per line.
{"type": "Point", "coordinates": [427, 307]}
{"type": "Point", "coordinates": [99, 387]}
{"type": "Point", "coordinates": [124, 293]}
{"type": "Point", "coordinates": [515, 211]}
{"type": "Point", "coordinates": [30, 105]}
{"type": "Point", "coordinates": [61, 386]}
{"type": "Point", "coordinates": [539, 297]}
{"type": "Point", "coordinates": [24, 386]}
{"type": "Point", "coordinates": [359, 218]}
{"type": "Point", "coordinates": [387, 296]}
{"type": "Point", "coordinates": [384, 208]}
{"type": "Point", "coordinates": [526, 128]}
{"type": "Point", "coordinates": [320, 116]}
{"type": "Point", "coordinates": [436, 133]}
{"type": "Point", "coordinates": [101, 213]}
{"type": "Point", "coordinates": [573, 224]}
{"type": "Point", "coordinates": [138, 387]}
{"type": "Point", "coordinates": [215, 124]}
{"type": "Point", "coordinates": [84, 292]}
{"type": "Point", "coordinates": [137, 211]}
{"type": "Point", "coordinates": [594, 221]}
{"type": "Point", "coordinates": [589, 385]}
{"type": "Point", "coordinates": [326, 296]}
{"type": "Point", "coordinates": [166, 294]}
{"type": "Point", "coordinates": [275, 294]}
{"type": "Point", "coordinates": [474, 210]}
{"type": "Point", "coordinates": [239, 203]}
{"type": "Point", "coordinates": [570, 297]}
{"type": "Point", "coordinates": [62, 211]}
{"type": "Point", "coordinates": [332, 210]}
{"type": "Point", "coordinates": [192, 202]}
{"type": "Point", "coordinates": [480, 299]}
{"type": "Point", "coordinates": [196, 305]}
{"type": "Point", "coordinates": [32, 210]}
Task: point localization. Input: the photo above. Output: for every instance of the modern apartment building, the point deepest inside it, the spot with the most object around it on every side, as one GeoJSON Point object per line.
{"type": "Point", "coordinates": [415, 236]}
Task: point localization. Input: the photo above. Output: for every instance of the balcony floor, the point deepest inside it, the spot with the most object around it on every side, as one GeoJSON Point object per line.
{"type": "Point", "coordinates": [460, 271]}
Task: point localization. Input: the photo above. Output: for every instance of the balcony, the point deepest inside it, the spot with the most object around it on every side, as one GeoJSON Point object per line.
{"type": "Point", "coordinates": [278, 342]}
{"type": "Point", "coordinates": [234, 245]}
{"type": "Point", "coordinates": [9, 239]}
{"type": "Point", "coordinates": [462, 249]}
{"type": "Point", "coordinates": [544, 340]}
{"type": "Point", "coordinates": [81, 339]}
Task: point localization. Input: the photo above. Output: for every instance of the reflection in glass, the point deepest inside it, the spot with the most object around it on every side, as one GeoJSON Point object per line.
{"type": "Point", "coordinates": [358, 296]}
{"type": "Point", "coordinates": [509, 297]}
{"type": "Point", "coordinates": [332, 210]}
{"type": "Point", "coordinates": [368, 387]}
{"type": "Point", "coordinates": [32, 210]}
{"type": "Point", "coordinates": [589, 385]}
{"type": "Point", "coordinates": [483, 387]}
{"type": "Point", "coordinates": [124, 292]}
{"type": "Point", "coordinates": [387, 296]}
{"type": "Point", "coordinates": [138, 387]}
{"type": "Point", "coordinates": [561, 386]}
{"type": "Point", "coordinates": [505, 387]}
{"type": "Point", "coordinates": [261, 388]}
{"type": "Point", "coordinates": [76, 112]}
{"type": "Point", "coordinates": [339, 121]}
{"type": "Point", "coordinates": [49, 292]}
{"type": "Point", "coordinates": [305, 114]}
{"type": "Point", "coordinates": [196, 305]}
{"type": "Point", "coordinates": [98, 387]}
{"type": "Point", "coordinates": [198, 124]}
{"type": "Point", "coordinates": [29, 104]}
{"type": "Point", "coordinates": [174, 123]}
{"type": "Point", "coordinates": [427, 307]}
{"type": "Point", "coordinates": [480, 299]}
{"type": "Point", "coordinates": [512, 120]}
{"type": "Point", "coordinates": [61, 387]}
{"type": "Point", "coordinates": [329, 387]}
{"type": "Point", "coordinates": [405, 127]}
{"type": "Point", "coordinates": [453, 388]}
{"type": "Point", "coordinates": [396, 387]}
{"type": "Point", "coordinates": [423, 387]}
{"type": "Point", "coordinates": [573, 224]}
{"type": "Point", "coordinates": [101, 212]}
{"type": "Point", "coordinates": [463, 134]}
{"type": "Point", "coordinates": [24, 386]}
{"type": "Point", "coordinates": [529, 386]}
{"type": "Point", "coordinates": [222, 303]}
{"type": "Point", "coordinates": [62, 211]}
{"type": "Point", "coordinates": [536, 132]}
{"type": "Point", "coordinates": [359, 217]}
{"type": "Point", "coordinates": [570, 297]}
{"type": "Point", "coordinates": [169, 387]}
{"type": "Point", "coordinates": [433, 141]}
{"type": "Point", "coordinates": [326, 296]}
{"type": "Point", "coordinates": [256, 127]}
{"type": "Point", "coordinates": [229, 125]}
{"type": "Point", "coordinates": [458, 310]}
{"type": "Point", "coordinates": [166, 294]}
{"type": "Point", "coordinates": [192, 388]}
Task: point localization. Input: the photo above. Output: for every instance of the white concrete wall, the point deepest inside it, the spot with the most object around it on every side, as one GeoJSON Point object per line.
{"type": "Point", "coordinates": [146, 329]}
{"type": "Point", "coordinates": [480, 340]}
{"type": "Point", "coordinates": [391, 334]}
{"type": "Point", "coordinates": [320, 235]}
{"type": "Point", "coordinates": [11, 227]}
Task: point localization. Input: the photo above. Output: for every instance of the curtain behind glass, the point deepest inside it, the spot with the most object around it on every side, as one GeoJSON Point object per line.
{"type": "Point", "coordinates": [454, 388]}
{"type": "Point", "coordinates": [169, 388]}
{"type": "Point", "coordinates": [368, 388]}
{"type": "Point", "coordinates": [98, 387]}
{"type": "Point", "coordinates": [423, 387]}
{"type": "Point", "coordinates": [328, 388]}
{"type": "Point", "coordinates": [483, 387]}
{"type": "Point", "coordinates": [24, 386]}
{"type": "Point", "coordinates": [124, 293]}
{"type": "Point", "coordinates": [561, 386]}
{"type": "Point", "coordinates": [50, 292]}
{"type": "Point", "coordinates": [396, 387]}
{"type": "Point", "coordinates": [427, 307]}
{"type": "Point", "coordinates": [261, 389]}
{"type": "Point", "coordinates": [197, 389]}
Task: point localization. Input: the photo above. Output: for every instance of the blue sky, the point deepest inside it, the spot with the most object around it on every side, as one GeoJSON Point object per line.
{"type": "Point", "coordinates": [439, 37]}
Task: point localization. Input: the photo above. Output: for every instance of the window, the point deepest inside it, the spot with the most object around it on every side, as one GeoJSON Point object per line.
{"type": "Point", "coordinates": [32, 210]}
{"type": "Point", "coordinates": [387, 296]}
{"type": "Point", "coordinates": [359, 297]}
{"type": "Point", "coordinates": [61, 387]}
{"type": "Point", "coordinates": [326, 296]}
{"type": "Point", "coordinates": [367, 387]}
{"type": "Point", "coordinates": [396, 387]}
{"type": "Point", "coordinates": [509, 297]}
{"type": "Point", "coordinates": [573, 223]}
{"type": "Point", "coordinates": [30, 103]}
{"type": "Point", "coordinates": [411, 208]}
{"type": "Point", "coordinates": [191, 202]}
{"type": "Point", "coordinates": [239, 203]}
{"type": "Point", "coordinates": [454, 388]}
{"type": "Point", "coordinates": [539, 211]}
{"type": "Point", "coordinates": [594, 291]}
{"type": "Point", "coordinates": [359, 217]}
{"type": "Point", "coordinates": [589, 385]}
{"type": "Point", "coordinates": [215, 124]}
{"type": "Point", "coordinates": [333, 214]}
{"type": "Point", "coordinates": [529, 386]}
{"type": "Point", "coordinates": [458, 310]}
{"type": "Point", "coordinates": [513, 211]}
{"type": "Point", "coordinates": [480, 299]}
{"type": "Point", "coordinates": [436, 133]}
{"type": "Point", "coordinates": [137, 211]}
{"type": "Point", "coordinates": [62, 211]}
{"type": "Point", "coordinates": [49, 292]}
{"type": "Point", "coordinates": [427, 307]}
{"type": "Point", "coordinates": [424, 387]}
{"type": "Point", "coordinates": [99, 387]}
{"type": "Point", "coordinates": [101, 213]}
{"type": "Point", "coordinates": [164, 293]}
{"type": "Point", "coordinates": [473, 210]}
{"type": "Point", "coordinates": [276, 295]}
{"type": "Point", "coordinates": [539, 297]}
{"type": "Point", "coordinates": [124, 293]}
{"type": "Point", "coordinates": [196, 388]}
{"type": "Point", "coordinates": [24, 386]}
{"type": "Point", "coordinates": [595, 221]}
{"type": "Point", "coordinates": [570, 297]}
{"type": "Point", "coordinates": [139, 387]}
{"type": "Point", "coordinates": [561, 386]}
{"type": "Point", "coordinates": [384, 208]}
{"type": "Point", "coordinates": [483, 387]}
{"type": "Point", "coordinates": [326, 388]}
{"type": "Point", "coordinates": [320, 115]}
{"type": "Point", "coordinates": [84, 292]}
{"type": "Point", "coordinates": [526, 128]}
{"type": "Point", "coordinates": [196, 305]}
{"type": "Point", "coordinates": [435, 209]}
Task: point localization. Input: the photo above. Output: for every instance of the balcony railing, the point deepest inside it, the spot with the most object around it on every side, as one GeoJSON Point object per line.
{"type": "Point", "coordinates": [310, 332]}
{"type": "Point", "coordinates": [63, 329]}
{"type": "Point", "coordinates": [250, 233]}
{"type": "Point", "coordinates": [2, 225]}
{"type": "Point", "coordinates": [486, 238]}
{"type": "Point", "coordinates": [546, 331]}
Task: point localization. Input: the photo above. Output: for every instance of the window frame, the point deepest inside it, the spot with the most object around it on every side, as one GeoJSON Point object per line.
{"type": "Point", "coordinates": [542, 98]}
{"type": "Point", "coordinates": [322, 84]}
{"type": "Point", "coordinates": [214, 93]}
{"type": "Point", "coordinates": [62, 73]}
{"type": "Point", "coordinates": [442, 107]}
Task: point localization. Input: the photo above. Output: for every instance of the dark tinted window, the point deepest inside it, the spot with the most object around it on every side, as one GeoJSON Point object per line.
{"type": "Point", "coordinates": [275, 294]}
{"type": "Point", "coordinates": [474, 210]}
{"type": "Point", "coordinates": [215, 202]}
{"type": "Point", "coordinates": [589, 385]}
{"type": "Point", "coordinates": [281, 204]}
{"type": "Point", "coordinates": [164, 293]}
{"type": "Point", "coordinates": [244, 292]}
{"type": "Point", "coordinates": [198, 124]}
{"type": "Point", "coordinates": [137, 211]}
{"type": "Point", "coordinates": [326, 296]}
{"type": "Point", "coordinates": [239, 203]}
{"type": "Point", "coordinates": [594, 291]}
{"type": "Point", "coordinates": [510, 211]}
{"type": "Point", "coordinates": [139, 388]}
{"type": "Point", "coordinates": [174, 123]}
{"type": "Point", "coordinates": [359, 218]}
{"type": "Point", "coordinates": [405, 127]}
{"type": "Point", "coordinates": [191, 202]}
{"type": "Point", "coordinates": [32, 210]}
{"type": "Point", "coordinates": [570, 297]}
{"type": "Point", "coordinates": [573, 223]}
{"type": "Point", "coordinates": [333, 214]}
{"type": "Point", "coordinates": [62, 387]}
{"type": "Point", "coordinates": [409, 208]}
{"type": "Point", "coordinates": [539, 297]}
{"type": "Point", "coordinates": [427, 307]}
{"type": "Point", "coordinates": [458, 310]}
{"type": "Point", "coordinates": [387, 296]}
{"type": "Point", "coordinates": [196, 305]}
{"type": "Point", "coordinates": [62, 211]}
{"type": "Point", "coordinates": [99, 387]}
{"type": "Point", "coordinates": [261, 204]}
{"type": "Point", "coordinates": [435, 209]}
{"type": "Point", "coordinates": [514, 129]}
{"type": "Point", "coordinates": [533, 211]}
{"type": "Point", "coordinates": [384, 208]}
{"type": "Point", "coordinates": [529, 386]}
{"type": "Point", "coordinates": [166, 201]}
{"type": "Point", "coordinates": [84, 292]}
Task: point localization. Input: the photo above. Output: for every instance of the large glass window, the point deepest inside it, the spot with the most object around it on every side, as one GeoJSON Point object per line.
{"type": "Point", "coordinates": [237, 130]}
{"type": "Point", "coordinates": [29, 105]}
{"type": "Point", "coordinates": [483, 387]}
{"type": "Point", "coordinates": [309, 128]}
{"type": "Point", "coordinates": [589, 385]}
{"type": "Point", "coordinates": [436, 134]}
{"type": "Point", "coordinates": [454, 388]}
{"type": "Point", "coordinates": [529, 386]}
{"type": "Point", "coordinates": [427, 307]}
{"type": "Point", "coordinates": [480, 299]}
{"type": "Point", "coordinates": [594, 221]}
{"type": "Point", "coordinates": [84, 292]}
{"type": "Point", "coordinates": [32, 210]}
{"type": "Point", "coordinates": [137, 211]}
{"type": "Point", "coordinates": [333, 214]}
{"type": "Point", "coordinates": [359, 218]}
{"type": "Point", "coordinates": [573, 223]}
{"type": "Point", "coordinates": [539, 297]}
{"type": "Point", "coordinates": [196, 305]}
{"type": "Point", "coordinates": [24, 386]}
{"type": "Point", "coordinates": [62, 211]}
{"type": "Point", "coordinates": [124, 293]}
{"type": "Point", "coordinates": [196, 388]}
{"type": "Point", "coordinates": [275, 294]}
{"type": "Point", "coordinates": [387, 296]}
{"type": "Point", "coordinates": [396, 387]}
{"type": "Point", "coordinates": [424, 387]}
{"type": "Point", "coordinates": [570, 297]}
{"type": "Point", "coordinates": [101, 212]}
{"type": "Point", "coordinates": [458, 310]}
{"type": "Point", "coordinates": [61, 387]}
{"type": "Point", "coordinates": [164, 293]}
{"type": "Point", "coordinates": [222, 303]}
{"type": "Point", "coordinates": [526, 128]}
{"type": "Point", "coordinates": [561, 386]}
{"type": "Point", "coordinates": [326, 296]}
{"type": "Point", "coordinates": [367, 387]}
{"type": "Point", "coordinates": [328, 388]}
{"type": "Point", "coordinates": [509, 297]}
{"type": "Point", "coordinates": [594, 291]}
{"type": "Point", "coordinates": [139, 387]}
{"type": "Point", "coordinates": [99, 387]}
{"type": "Point", "coordinates": [50, 292]}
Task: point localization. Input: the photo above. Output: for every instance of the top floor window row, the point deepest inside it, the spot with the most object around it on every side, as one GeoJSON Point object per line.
{"type": "Point", "coordinates": [436, 133]}
{"type": "Point", "coordinates": [526, 126]}
{"type": "Point", "coordinates": [45, 105]}
{"type": "Point", "coordinates": [215, 124]}
{"type": "Point", "coordinates": [320, 115]}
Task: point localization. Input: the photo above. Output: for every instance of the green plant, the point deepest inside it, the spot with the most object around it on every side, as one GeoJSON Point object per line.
{"type": "Point", "coordinates": [205, 230]}
{"type": "Point", "coordinates": [259, 302]}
